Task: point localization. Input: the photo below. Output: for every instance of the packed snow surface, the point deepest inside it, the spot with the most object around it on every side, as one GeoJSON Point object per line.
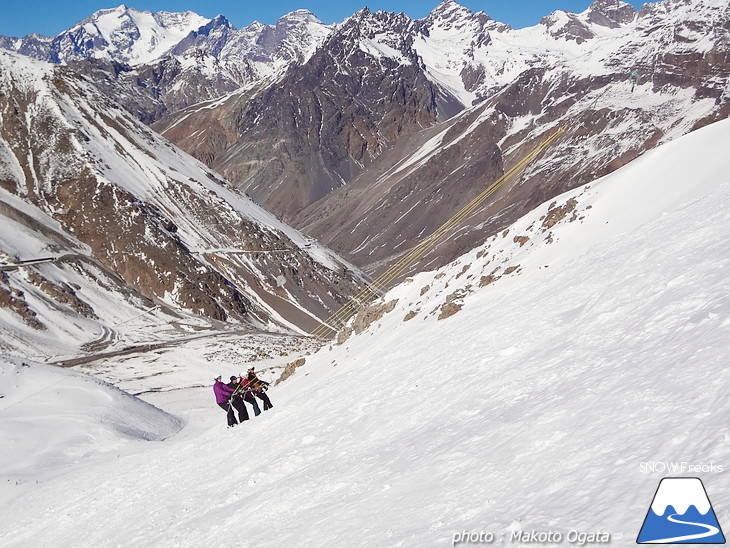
{"type": "Point", "coordinates": [584, 353]}
{"type": "Point", "coordinates": [73, 417]}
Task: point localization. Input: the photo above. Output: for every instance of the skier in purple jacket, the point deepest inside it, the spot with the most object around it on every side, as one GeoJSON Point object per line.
{"type": "Point", "coordinates": [222, 397]}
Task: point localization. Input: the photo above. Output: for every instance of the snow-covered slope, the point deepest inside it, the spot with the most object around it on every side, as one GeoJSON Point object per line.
{"type": "Point", "coordinates": [53, 418]}
{"type": "Point", "coordinates": [584, 342]}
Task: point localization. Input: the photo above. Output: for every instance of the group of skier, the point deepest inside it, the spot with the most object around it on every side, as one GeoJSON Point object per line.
{"type": "Point", "coordinates": [231, 396]}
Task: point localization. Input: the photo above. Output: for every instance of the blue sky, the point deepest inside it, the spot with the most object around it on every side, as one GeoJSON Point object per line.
{"type": "Point", "coordinates": [50, 17]}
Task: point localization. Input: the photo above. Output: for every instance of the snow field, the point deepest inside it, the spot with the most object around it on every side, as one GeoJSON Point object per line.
{"type": "Point", "coordinates": [52, 418]}
{"type": "Point", "coordinates": [532, 408]}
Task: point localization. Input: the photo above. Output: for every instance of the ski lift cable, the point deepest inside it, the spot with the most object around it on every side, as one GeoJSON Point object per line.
{"type": "Point", "coordinates": [147, 311]}
{"type": "Point", "coordinates": [378, 286]}
{"type": "Point", "coordinates": [428, 243]}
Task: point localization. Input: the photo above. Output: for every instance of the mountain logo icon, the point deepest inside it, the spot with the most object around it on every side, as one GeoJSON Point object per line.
{"type": "Point", "coordinates": [681, 513]}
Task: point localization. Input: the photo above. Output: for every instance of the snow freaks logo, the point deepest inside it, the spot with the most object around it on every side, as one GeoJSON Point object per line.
{"type": "Point", "coordinates": [680, 513]}
{"type": "Point", "coordinates": [681, 468]}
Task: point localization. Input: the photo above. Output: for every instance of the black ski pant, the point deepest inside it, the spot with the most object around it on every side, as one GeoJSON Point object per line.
{"type": "Point", "coordinates": [229, 410]}
{"type": "Point", "coordinates": [240, 407]}
{"type": "Point", "coordinates": [248, 396]}
{"type": "Point", "coordinates": [264, 398]}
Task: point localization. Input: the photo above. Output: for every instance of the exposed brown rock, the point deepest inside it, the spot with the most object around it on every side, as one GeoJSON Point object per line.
{"type": "Point", "coordinates": [448, 309]}
{"type": "Point", "coordinates": [136, 238]}
{"type": "Point", "coordinates": [486, 280]}
{"type": "Point", "coordinates": [411, 314]}
{"type": "Point", "coordinates": [463, 271]}
{"type": "Point", "coordinates": [557, 213]}
{"type": "Point", "coordinates": [62, 294]}
{"type": "Point", "coordinates": [290, 369]}
{"type": "Point", "coordinates": [13, 299]}
{"type": "Point", "coordinates": [371, 314]}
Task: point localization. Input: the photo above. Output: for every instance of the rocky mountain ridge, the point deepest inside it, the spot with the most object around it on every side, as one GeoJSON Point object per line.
{"type": "Point", "coordinates": [132, 223]}
{"type": "Point", "coordinates": [394, 124]}
{"type": "Point", "coordinates": [154, 63]}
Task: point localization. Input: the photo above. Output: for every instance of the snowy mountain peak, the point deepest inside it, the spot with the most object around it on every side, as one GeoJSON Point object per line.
{"type": "Point", "coordinates": [120, 10]}
{"type": "Point", "coordinates": [579, 26]}
{"type": "Point", "coordinates": [221, 20]}
{"type": "Point", "coordinates": [448, 41]}
{"type": "Point", "coordinates": [450, 9]}
{"type": "Point", "coordinates": [568, 26]}
{"type": "Point", "coordinates": [610, 13]}
{"type": "Point", "coordinates": [254, 27]}
{"type": "Point", "coordinates": [380, 35]}
{"type": "Point", "coordinates": [452, 15]}
{"type": "Point", "coordinates": [301, 19]}
{"type": "Point", "coordinates": [271, 48]}
{"type": "Point", "coordinates": [218, 22]}
{"type": "Point", "coordinates": [126, 34]}
{"type": "Point", "coordinates": [110, 19]}
{"type": "Point", "coordinates": [295, 37]}
{"type": "Point", "coordinates": [380, 26]}
{"type": "Point", "coordinates": [461, 22]}
{"type": "Point", "coordinates": [299, 16]}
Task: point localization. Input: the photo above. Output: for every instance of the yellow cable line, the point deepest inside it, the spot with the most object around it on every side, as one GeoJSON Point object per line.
{"type": "Point", "coordinates": [337, 320]}
{"type": "Point", "coordinates": [377, 286]}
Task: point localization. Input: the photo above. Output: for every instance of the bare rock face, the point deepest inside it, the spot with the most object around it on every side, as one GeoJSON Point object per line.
{"type": "Point", "coordinates": [13, 299]}
{"type": "Point", "coordinates": [412, 189]}
{"type": "Point", "coordinates": [557, 213]}
{"type": "Point", "coordinates": [150, 91]}
{"type": "Point", "coordinates": [410, 204]}
{"type": "Point", "coordinates": [365, 317]}
{"type": "Point", "coordinates": [63, 294]}
{"type": "Point", "coordinates": [368, 316]}
{"type": "Point", "coordinates": [122, 232]}
{"type": "Point", "coordinates": [449, 309]}
{"type": "Point", "coordinates": [290, 369]}
{"type": "Point", "coordinates": [141, 240]}
{"type": "Point", "coordinates": [288, 145]}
